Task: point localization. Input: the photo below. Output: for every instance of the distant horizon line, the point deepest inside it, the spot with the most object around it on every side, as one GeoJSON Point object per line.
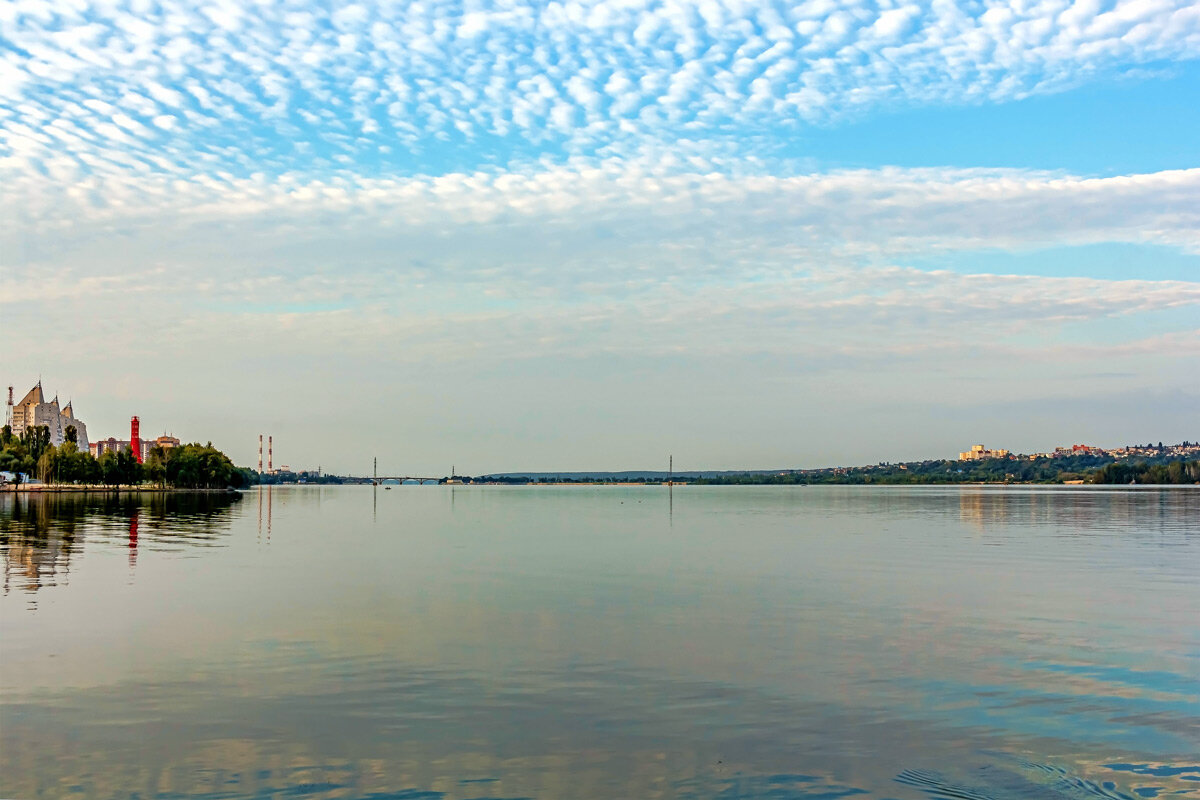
{"type": "Point", "coordinates": [1185, 444]}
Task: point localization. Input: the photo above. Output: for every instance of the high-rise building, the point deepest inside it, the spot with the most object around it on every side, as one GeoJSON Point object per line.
{"type": "Point", "coordinates": [142, 449]}
{"type": "Point", "coordinates": [33, 410]}
{"type": "Point", "coordinates": [978, 452]}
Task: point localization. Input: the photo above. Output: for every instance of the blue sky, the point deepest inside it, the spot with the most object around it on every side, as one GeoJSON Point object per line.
{"type": "Point", "coordinates": [789, 234]}
{"type": "Point", "coordinates": [1126, 125]}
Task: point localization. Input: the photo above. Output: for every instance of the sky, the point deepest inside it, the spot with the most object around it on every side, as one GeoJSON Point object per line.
{"type": "Point", "coordinates": [589, 235]}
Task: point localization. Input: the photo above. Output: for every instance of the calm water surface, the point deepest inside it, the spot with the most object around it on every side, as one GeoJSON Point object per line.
{"type": "Point", "coordinates": [603, 642]}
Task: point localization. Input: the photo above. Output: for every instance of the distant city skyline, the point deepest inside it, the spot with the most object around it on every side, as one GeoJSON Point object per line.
{"type": "Point", "coordinates": [264, 460]}
{"type": "Point", "coordinates": [516, 236]}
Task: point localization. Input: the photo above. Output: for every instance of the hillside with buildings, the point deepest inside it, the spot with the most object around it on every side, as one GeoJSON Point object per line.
{"type": "Point", "coordinates": [1150, 463]}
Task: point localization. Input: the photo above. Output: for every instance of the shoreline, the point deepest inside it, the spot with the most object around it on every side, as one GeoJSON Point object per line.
{"type": "Point", "coordinates": [881, 485]}
{"type": "Point", "coordinates": [110, 490]}
{"type": "Point", "coordinates": [47, 489]}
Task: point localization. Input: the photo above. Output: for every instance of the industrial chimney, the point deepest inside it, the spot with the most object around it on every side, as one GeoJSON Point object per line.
{"type": "Point", "coordinates": [260, 454]}
{"type": "Point", "coordinates": [270, 453]}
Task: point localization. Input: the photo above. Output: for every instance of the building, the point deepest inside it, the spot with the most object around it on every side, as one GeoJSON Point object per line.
{"type": "Point", "coordinates": [103, 446]}
{"type": "Point", "coordinates": [33, 410]}
{"type": "Point", "coordinates": [978, 452]}
{"type": "Point", "coordinates": [1077, 450]}
{"type": "Point", "coordinates": [165, 442]}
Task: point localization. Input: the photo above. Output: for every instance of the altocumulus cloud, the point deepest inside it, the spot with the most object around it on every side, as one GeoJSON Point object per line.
{"type": "Point", "coordinates": [647, 253]}
{"type": "Point", "coordinates": [168, 86]}
{"type": "Point", "coordinates": [509, 181]}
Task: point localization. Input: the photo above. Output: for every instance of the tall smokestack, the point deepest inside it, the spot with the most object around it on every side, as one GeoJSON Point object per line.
{"type": "Point", "coordinates": [270, 453]}
{"type": "Point", "coordinates": [135, 439]}
{"type": "Point", "coordinates": [260, 453]}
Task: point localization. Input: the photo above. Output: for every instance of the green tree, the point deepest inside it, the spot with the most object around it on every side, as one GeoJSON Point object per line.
{"type": "Point", "coordinates": [129, 471]}
{"type": "Point", "coordinates": [155, 468]}
{"type": "Point", "coordinates": [71, 434]}
{"type": "Point", "coordinates": [196, 466]}
{"type": "Point", "coordinates": [47, 465]}
{"type": "Point", "coordinates": [14, 461]}
{"type": "Point", "coordinates": [66, 464]}
{"type": "Point", "coordinates": [110, 472]}
{"type": "Point", "coordinates": [87, 471]}
{"type": "Point", "coordinates": [74, 466]}
{"type": "Point", "coordinates": [36, 439]}
{"type": "Point", "coordinates": [1141, 472]}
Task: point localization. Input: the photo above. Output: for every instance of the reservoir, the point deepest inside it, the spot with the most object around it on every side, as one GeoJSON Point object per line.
{"type": "Point", "coordinates": [462, 642]}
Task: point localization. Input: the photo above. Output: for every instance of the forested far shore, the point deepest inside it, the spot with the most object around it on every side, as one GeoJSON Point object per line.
{"type": "Point", "coordinates": [202, 466]}
{"type": "Point", "coordinates": [191, 466]}
{"type": "Point", "coordinates": [1091, 468]}
{"type": "Point", "coordinates": [1141, 472]}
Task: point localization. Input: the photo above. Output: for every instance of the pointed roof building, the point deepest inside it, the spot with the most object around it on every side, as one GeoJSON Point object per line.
{"type": "Point", "coordinates": [33, 396]}
{"type": "Point", "coordinates": [33, 410]}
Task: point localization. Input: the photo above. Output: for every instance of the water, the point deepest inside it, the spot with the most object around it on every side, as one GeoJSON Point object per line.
{"type": "Point", "coordinates": [603, 642]}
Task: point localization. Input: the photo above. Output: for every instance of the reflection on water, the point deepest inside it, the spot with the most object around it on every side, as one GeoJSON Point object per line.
{"type": "Point", "coordinates": [40, 532]}
{"type": "Point", "coordinates": [600, 642]}
{"type": "Point", "coordinates": [1080, 509]}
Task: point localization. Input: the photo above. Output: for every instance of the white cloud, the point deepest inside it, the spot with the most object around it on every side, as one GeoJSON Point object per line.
{"type": "Point", "coordinates": [611, 74]}
{"type": "Point", "coordinates": [191, 177]}
{"type": "Point", "coordinates": [542, 259]}
{"type": "Point", "coordinates": [862, 213]}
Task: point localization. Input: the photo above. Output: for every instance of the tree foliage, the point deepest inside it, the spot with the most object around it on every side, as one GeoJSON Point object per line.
{"type": "Point", "coordinates": [192, 466]}
{"type": "Point", "coordinates": [36, 439]}
{"type": "Point", "coordinates": [1096, 468]}
{"type": "Point", "coordinates": [196, 466]}
{"type": "Point", "coordinates": [1141, 472]}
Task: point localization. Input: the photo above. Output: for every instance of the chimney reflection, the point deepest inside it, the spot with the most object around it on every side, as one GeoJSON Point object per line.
{"type": "Point", "coordinates": [261, 491]}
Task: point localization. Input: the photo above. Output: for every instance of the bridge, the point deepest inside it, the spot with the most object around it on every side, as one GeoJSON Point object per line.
{"type": "Point", "coordinates": [380, 479]}
{"type": "Point", "coordinates": [376, 479]}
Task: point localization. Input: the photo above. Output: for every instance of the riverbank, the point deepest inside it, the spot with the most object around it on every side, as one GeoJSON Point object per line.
{"type": "Point", "coordinates": [42, 488]}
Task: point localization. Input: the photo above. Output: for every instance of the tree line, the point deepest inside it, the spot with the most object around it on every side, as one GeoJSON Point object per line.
{"type": "Point", "coordinates": [1141, 472]}
{"type": "Point", "coordinates": [1091, 468]}
{"type": "Point", "coordinates": [192, 466]}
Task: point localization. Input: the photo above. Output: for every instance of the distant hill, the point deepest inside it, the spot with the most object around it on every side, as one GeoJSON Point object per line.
{"type": "Point", "coordinates": [629, 474]}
